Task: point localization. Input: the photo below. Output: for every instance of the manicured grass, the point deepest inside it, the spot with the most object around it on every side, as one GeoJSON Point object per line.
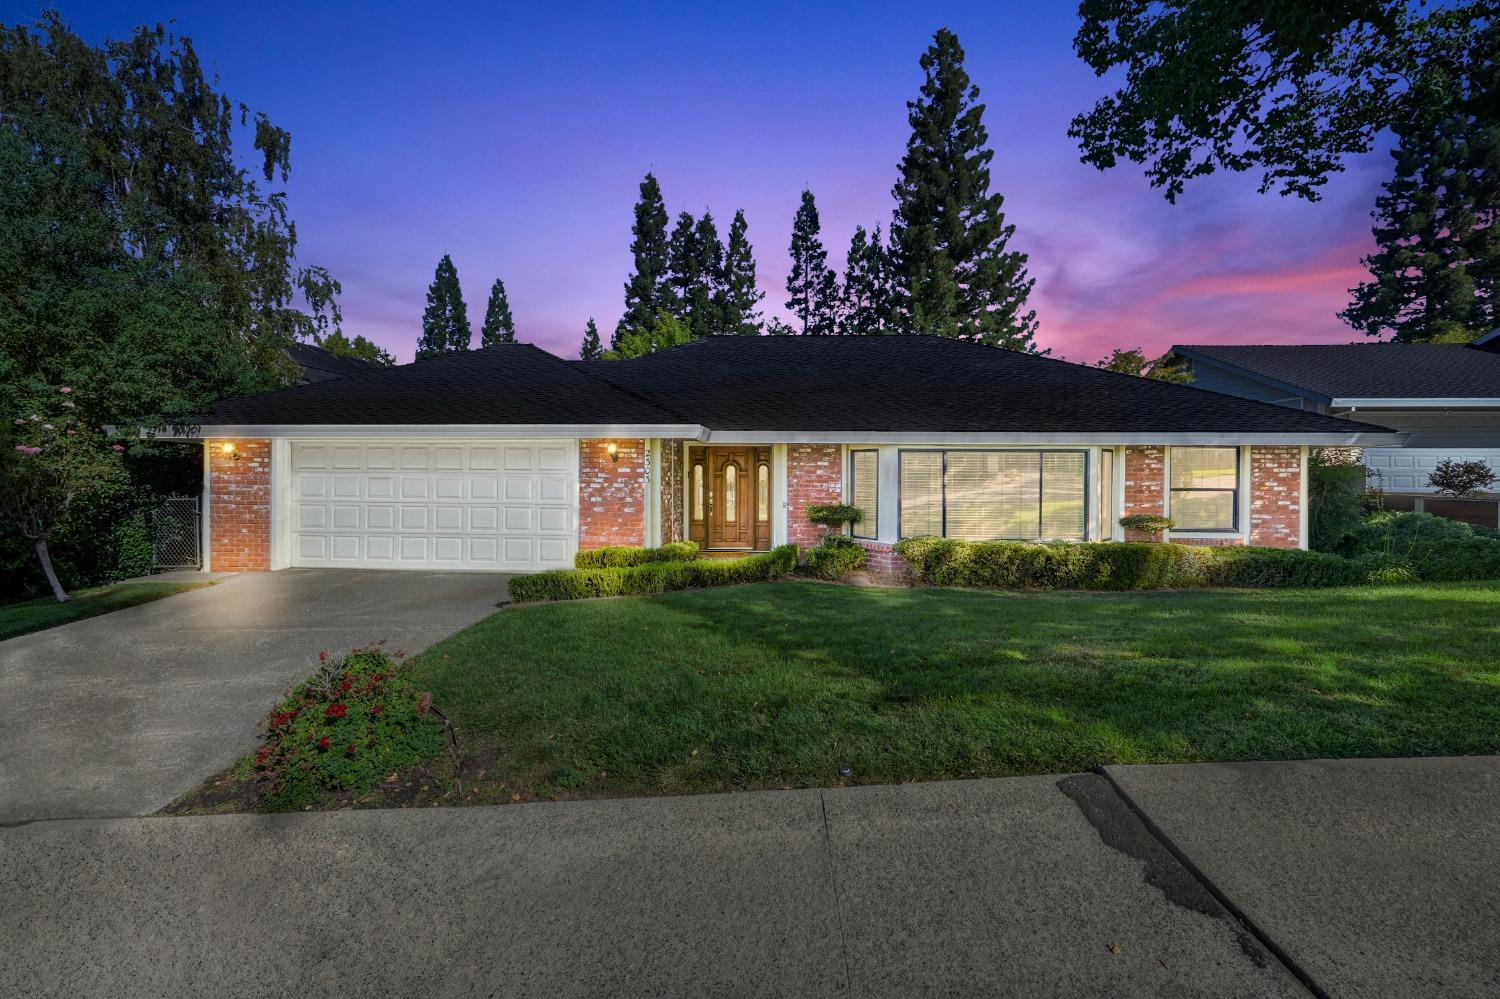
{"type": "Point", "coordinates": [44, 612]}
{"type": "Point", "coordinates": [783, 684]}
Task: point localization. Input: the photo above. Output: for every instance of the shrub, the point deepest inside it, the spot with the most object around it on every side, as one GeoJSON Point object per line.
{"type": "Point", "coordinates": [1147, 523]}
{"type": "Point", "coordinates": [834, 514]}
{"type": "Point", "coordinates": [1434, 548]}
{"type": "Point", "coordinates": [624, 557]}
{"type": "Point", "coordinates": [1461, 478]}
{"type": "Point", "coordinates": [1335, 498]}
{"type": "Point", "coordinates": [835, 558]}
{"type": "Point", "coordinates": [652, 577]}
{"type": "Point", "coordinates": [354, 721]}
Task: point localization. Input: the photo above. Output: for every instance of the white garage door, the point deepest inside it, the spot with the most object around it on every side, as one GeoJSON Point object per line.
{"type": "Point", "coordinates": [499, 505]}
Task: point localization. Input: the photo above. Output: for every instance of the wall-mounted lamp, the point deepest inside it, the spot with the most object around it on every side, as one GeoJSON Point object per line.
{"type": "Point", "coordinates": [614, 451]}
{"type": "Point", "coordinates": [228, 450]}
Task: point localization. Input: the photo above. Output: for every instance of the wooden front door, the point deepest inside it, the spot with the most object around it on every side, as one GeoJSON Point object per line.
{"type": "Point", "coordinates": [729, 498]}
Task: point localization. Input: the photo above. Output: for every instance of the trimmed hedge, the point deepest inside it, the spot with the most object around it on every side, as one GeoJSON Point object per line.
{"type": "Point", "coordinates": [652, 577]}
{"type": "Point", "coordinates": [835, 558]}
{"type": "Point", "coordinates": [1133, 565]}
{"type": "Point", "coordinates": [622, 557]}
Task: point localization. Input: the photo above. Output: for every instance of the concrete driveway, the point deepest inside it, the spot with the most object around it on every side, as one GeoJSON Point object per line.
{"type": "Point", "coordinates": [118, 714]}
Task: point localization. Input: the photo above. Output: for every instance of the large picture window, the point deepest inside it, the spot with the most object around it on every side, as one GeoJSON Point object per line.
{"type": "Point", "coordinates": [984, 495]}
{"type": "Point", "coordinates": [864, 491]}
{"type": "Point", "coordinates": [1205, 488]}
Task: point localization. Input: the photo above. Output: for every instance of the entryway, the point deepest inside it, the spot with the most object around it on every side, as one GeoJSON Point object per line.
{"type": "Point", "coordinates": [729, 498]}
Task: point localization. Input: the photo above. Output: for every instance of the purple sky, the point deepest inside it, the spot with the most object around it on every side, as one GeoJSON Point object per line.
{"type": "Point", "coordinates": [514, 137]}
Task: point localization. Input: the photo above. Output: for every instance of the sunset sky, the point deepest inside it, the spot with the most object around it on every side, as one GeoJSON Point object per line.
{"type": "Point", "coordinates": [514, 137]}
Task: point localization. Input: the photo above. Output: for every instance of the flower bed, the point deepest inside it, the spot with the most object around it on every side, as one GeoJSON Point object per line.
{"type": "Point", "coordinates": [356, 720]}
{"type": "Point", "coordinates": [652, 577]}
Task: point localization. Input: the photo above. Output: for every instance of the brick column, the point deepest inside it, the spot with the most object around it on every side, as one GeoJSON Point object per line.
{"type": "Point", "coordinates": [239, 506]}
{"type": "Point", "coordinates": [1145, 485]}
{"type": "Point", "coordinates": [611, 493]}
{"type": "Point", "coordinates": [1276, 496]}
{"type": "Point", "coordinates": [814, 474]}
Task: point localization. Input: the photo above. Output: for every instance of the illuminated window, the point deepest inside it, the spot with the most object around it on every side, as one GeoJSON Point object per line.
{"type": "Point", "coordinates": [729, 483]}
{"type": "Point", "coordinates": [697, 492]}
{"type": "Point", "coordinates": [763, 492]}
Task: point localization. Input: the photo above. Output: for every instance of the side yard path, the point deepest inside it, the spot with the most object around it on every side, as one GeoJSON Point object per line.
{"type": "Point", "coordinates": [1371, 878]}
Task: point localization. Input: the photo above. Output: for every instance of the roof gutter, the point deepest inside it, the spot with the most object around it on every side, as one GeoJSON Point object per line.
{"type": "Point", "coordinates": [447, 431]}
{"type": "Point", "coordinates": [1412, 402]}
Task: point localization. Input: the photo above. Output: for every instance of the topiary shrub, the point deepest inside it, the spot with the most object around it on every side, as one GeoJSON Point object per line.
{"type": "Point", "coordinates": [353, 722]}
{"type": "Point", "coordinates": [651, 577]}
{"type": "Point", "coordinates": [834, 514]}
{"type": "Point", "coordinates": [835, 558]}
{"type": "Point", "coordinates": [1152, 524]}
{"type": "Point", "coordinates": [623, 556]}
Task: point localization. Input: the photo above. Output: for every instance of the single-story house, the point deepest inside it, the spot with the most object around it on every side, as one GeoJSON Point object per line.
{"type": "Point", "coordinates": [1444, 397]}
{"type": "Point", "coordinates": [511, 459]}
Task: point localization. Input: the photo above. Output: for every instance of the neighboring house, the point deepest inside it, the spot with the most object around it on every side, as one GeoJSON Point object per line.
{"type": "Point", "coordinates": [1444, 397]}
{"type": "Point", "coordinates": [512, 459]}
{"type": "Point", "coordinates": [319, 365]}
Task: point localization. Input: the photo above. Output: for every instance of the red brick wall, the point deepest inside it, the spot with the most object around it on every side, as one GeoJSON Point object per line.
{"type": "Point", "coordinates": [611, 494]}
{"type": "Point", "coordinates": [814, 474]}
{"type": "Point", "coordinates": [1276, 496]}
{"type": "Point", "coordinates": [239, 503]}
{"type": "Point", "coordinates": [1145, 484]}
{"type": "Point", "coordinates": [882, 560]}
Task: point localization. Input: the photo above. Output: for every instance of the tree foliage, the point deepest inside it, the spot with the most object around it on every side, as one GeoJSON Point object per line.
{"type": "Point", "coordinates": [1435, 275]}
{"type": "Point", "coordinates": [591, 349]}
{"type": "Point", "coordinates": [738, 297]}
{"type": "Point", "coordinates": [1133, 361]}
{"type": "Point", "coordinates": [695, 269]}
{"type": "Point", "coordinates": [1289, 88]}
{"type": "Point", "coordinates": [336, 342]}
{"type": "Point", "coordinates": [665, 331]}
{"type": "Point", "coordinates": [949, 239]}
{"type": "Point", "coordinates": [1461, 478]}
{"type": "Point", "coordinates": [499, 326]}
{"type": "Point", "coordinates": [647, 291]}
{"type": "Point", "coordinates": [445, 321]}
{"type": "Point", "coordinates": [811, 287]}
{"type": "Point", "coordinates": [140, 261]}
{"type": "Point", "coordinates": [869, 294]}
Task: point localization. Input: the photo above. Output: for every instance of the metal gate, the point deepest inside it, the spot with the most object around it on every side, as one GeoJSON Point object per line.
{"type": "Point", "coordinates": [176, 533]}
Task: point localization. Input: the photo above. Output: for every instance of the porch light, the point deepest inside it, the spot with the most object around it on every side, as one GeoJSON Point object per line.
{"type": "Point", "coordinates": [614, 451]}
{"type": "Point", "coordinates": [228, 450]}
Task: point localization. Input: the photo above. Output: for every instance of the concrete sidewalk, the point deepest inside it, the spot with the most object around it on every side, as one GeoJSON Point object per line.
{"type": "Point", "coordinates": [1372, 878]}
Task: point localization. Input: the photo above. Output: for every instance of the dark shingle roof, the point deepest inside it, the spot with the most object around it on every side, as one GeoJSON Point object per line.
{"type": "Point", "coordinates": [896, 384]}
{"type": "Point", "coordinates": [509, 383]}
{"type": "Point", "coordinates": [319, 365]}
{"type": "Point", "coordinates": [1367, 370]}
{"type": "Point", "coordinates": [919, 384]}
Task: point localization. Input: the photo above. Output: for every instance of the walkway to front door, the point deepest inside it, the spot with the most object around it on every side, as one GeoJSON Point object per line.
{"type": "Point", "coordinates": [729, 498]}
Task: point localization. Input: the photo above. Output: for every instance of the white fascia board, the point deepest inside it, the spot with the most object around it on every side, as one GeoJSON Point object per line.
{"type": "Point", "coordinates": [446, 431]}
{"type": "Point", "coordinates": [1345, 439]}
{"type": "Point", "coordinates": [1412, 402]}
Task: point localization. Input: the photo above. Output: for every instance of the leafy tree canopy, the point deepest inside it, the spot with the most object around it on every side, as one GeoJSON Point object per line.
{"type": "Point", "coordinates": [1166, 368]}
{"type": "Point", "coordinates": [1288, 88]}
{"type": "Point", "coordinates": [666, 331]}
{"type": "Point", "coordinates": [336, 342]}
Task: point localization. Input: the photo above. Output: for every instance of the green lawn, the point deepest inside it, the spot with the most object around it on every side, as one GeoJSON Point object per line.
{"type": "Point", "coordinates": [44, 612]}
{"type": "Point", "coordinates": [784, 684]}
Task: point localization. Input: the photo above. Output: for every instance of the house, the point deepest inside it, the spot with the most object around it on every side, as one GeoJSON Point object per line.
{"type": "Point", "coordinates": [316, 364]}
{"type": "Point", "coordinates": [511, 459]}
{"type": "Point", "coordinates": [1444, 397]}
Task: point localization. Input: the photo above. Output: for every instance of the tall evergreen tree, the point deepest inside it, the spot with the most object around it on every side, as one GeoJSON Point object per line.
{"type": "Point", "coordinates": [812, 288]}
{"type": "Point", "coordinates": [1436, 272]}
{"type": "Point", "coordinates": [591, 350]}
{"type": "Point", "coordinates": [869, 302]}
{"type": "Point", "coordinates": [445, 321]}
{"type": "Point", "coordinates": [954, 275]}
{"type": "Point", "coordinates": [696, 262]}
{"type": "Point", "coordinates": [647, 291]}
{"type": "Point", "coordinates": [498, 326]}
{"type": "Point", "coordinates": [739, 299]}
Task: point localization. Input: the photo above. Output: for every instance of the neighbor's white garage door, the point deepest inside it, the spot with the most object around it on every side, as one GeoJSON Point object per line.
{"type": "Point", "coordinates": [501, 505]}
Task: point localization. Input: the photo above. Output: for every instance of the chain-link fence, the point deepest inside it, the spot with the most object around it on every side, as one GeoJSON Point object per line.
{"type": "Point", "coordinates": [176, 533]}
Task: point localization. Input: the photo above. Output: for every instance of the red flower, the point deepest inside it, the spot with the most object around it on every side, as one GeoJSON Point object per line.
{"type": "Point", "coordinates": [349, 749]}
{"type": "Point", "coordinates": [336, 710]}
{"type": "Point", "coordinates": [323, 742]}
{"type": "Point", "coordinates": [262, 754]}
{"type": "Point", "coordinates": [375, 709]}
{"type": "Point", "coordinates": [322, 657]}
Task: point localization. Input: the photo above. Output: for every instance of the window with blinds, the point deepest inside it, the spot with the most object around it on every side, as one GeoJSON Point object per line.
{"type": "Point", "coordinates": [1204, 488]}
{"type": "Point", "coordinates": [984, 495]}
{"type": "Point", "coordinates": [864, 491]}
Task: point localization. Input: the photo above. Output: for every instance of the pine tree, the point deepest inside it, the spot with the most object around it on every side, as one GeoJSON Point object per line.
{"type": "Point", "coordinates": [739, 299]}
{"type": "Point", "coordinates": [953, 273]}
{"type": "Point", "coordinates": [647, 291]}
{"type": "Point", "coordinates": [869, 304]}
{"type": "Point", "coordinates": [591, 350]}
{"type": "Point", "coordinates": [445, 322]}
{"type": "Point", "coordinates": [498, 326]}
{"type": "Point", "coordinates": [1435, 275]}
{"type": "Point", "coordinates": [812, 288]}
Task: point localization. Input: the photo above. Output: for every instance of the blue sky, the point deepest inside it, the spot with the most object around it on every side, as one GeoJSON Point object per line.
{"type": "Point", "coordinates": [514, 137]}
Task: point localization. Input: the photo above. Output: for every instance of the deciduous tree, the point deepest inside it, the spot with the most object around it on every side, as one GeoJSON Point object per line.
{"type": "Point", "coordinates": [1133, 361]}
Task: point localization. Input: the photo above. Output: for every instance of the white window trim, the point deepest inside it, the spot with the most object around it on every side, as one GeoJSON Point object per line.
{"type": "Point", "coordinates": [1241, 500]}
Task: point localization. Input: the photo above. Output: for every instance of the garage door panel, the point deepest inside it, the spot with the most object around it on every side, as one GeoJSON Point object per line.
{"type": "Point", "coordinates": [497, 506]}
